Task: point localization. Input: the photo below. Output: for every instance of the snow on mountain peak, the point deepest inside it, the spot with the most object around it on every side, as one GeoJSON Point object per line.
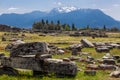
{"type": "Point", "coordinates": [66, 9]}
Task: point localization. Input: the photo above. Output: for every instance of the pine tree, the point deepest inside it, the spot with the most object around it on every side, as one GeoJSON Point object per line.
{"type": "Point", "coordinates": [47, 22]}
{"type": "Point", "coordinates": [58, 27]}
{"type": "Point", "coordinates": [73, 27]}
{"type": "Point", "coordinates": [88, 27]}
{"type": "Point", "coordinates": [104, 28]}
{"type": "Point", "coordinates": [43, 22]}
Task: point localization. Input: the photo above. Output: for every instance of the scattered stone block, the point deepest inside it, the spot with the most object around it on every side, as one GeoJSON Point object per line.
{"type": "Point", "coordinates": [109, 61]}
{"type": "Point", "coordinates": [87, 43]}
{"type": "Point", "coordinates": [102, 49]}
{"type": "Point", "coordinates": [106, 67]}
{"type": "Point", "coordinates": [115, 74]}
{"type": "Point", "coordinates": [90, 72]}
{"type": "Point", "coordinates": [92, 67]}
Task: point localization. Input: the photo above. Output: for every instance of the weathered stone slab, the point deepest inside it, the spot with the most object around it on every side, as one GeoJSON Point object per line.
{"type": "Point", "coordinates": [87, 43]}
{"type": "Point", "coordinates": [115, 74]}
{"type": "Point", "coordinates": [32, 48]}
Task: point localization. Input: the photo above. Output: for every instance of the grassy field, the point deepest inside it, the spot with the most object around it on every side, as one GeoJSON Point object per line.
{"type": "Point", "coordinates": [67, 40]}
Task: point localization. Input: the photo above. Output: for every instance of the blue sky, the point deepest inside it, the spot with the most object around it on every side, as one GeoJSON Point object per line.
{"type": "Point", "coordinates": [110, 7]}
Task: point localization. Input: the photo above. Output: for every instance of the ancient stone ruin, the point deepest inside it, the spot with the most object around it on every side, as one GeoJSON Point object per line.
{"type": "Point", "coordinates": [87, 43]}
{"type": "Point", "coordinates": [11, 45]}
{"type": "Point", "coordinates": [29, 49]}
{"type": "Point", "coordinates": [35, 56]}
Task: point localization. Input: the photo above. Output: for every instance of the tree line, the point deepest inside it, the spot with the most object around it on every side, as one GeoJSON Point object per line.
{"type": "Point", "coordinates": [45, 25]}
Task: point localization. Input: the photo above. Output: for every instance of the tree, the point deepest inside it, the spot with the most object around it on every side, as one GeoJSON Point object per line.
{"type": "Point", "coordinates": [43, 22]}
{"type": "Point", "coordinates": [58, 26]}
{"type": "Point", "coordinates": [88, 27]}
{"type": "Point", "coordinates": [47, 22]}
{"type": "Point", "coordinates": [63, 26]}
{"type": "Point", "coordinates": [37, 25]}
{"type": "Point", "coordinates": [46, 25]}
{"type": "Point", "coordinates": [104, 28]}
{"type": "Point", "coordinates": [51, 26]}
{"type": "Point", "coordinates": [58, 22]}
{"type": "Point", "coordinates": [73, 27]}
{"type": "Point", "coordinates": [43, 25]}
{"type": "Point", "coordinates": [67, 27]}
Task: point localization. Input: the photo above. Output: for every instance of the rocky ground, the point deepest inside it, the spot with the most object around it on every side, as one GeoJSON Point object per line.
{"type": "Point", "coordinates": [95, 58]}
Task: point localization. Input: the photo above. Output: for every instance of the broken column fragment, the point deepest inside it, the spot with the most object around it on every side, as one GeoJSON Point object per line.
{"type": "Point", "coordinates": [87, 43]}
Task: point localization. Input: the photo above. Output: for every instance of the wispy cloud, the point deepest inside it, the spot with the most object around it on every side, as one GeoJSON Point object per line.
{"type": "Point", "coordinates": [116, 5]}
{"type": "Point", "coordinates": [12, 9]}
{"type": "Point", "coordinates": [58, 3]}
{"type": "Point", "coordinates": [94, 5]}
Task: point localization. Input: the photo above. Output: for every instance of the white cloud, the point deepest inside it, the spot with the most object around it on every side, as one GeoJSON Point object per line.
{"type": "Point", "coordinates": [12, 9]}
{"type": "Point", "coordinates": [116, 5]}
{"type": "Point", "coordinates": [58, 3]}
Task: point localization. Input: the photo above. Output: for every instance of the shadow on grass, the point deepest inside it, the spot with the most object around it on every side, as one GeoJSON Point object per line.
{"type": "Point", "coordinates": [42, 77]}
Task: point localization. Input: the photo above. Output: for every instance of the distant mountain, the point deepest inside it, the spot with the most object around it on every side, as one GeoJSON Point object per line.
{"type": "Point", "coordinates": [68, 15]}
{"type": "Point", "coordinates": [83, 17]}
{"type": "Point", "coordinates": [21, 20]}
